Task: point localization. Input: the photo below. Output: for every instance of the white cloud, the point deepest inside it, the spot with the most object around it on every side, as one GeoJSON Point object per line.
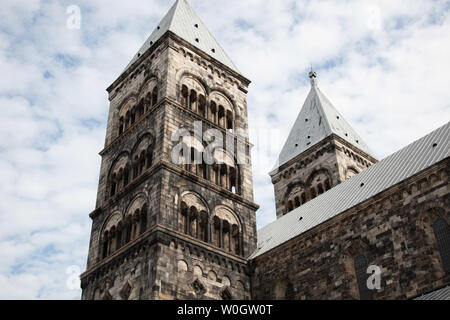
{"type": "Point", "coordinates": [384, 65]}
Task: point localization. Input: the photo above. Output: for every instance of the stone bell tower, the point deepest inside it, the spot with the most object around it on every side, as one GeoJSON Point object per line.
{"type": "Point", "coordinates": [165, 226]}
{"type": "Point", "coordinates": [321, 151]}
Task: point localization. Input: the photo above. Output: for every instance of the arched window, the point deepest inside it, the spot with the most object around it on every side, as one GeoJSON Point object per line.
{"type": "Point", "coordinates": [126, 176]}
{"type": "Point", "coordinates": [140, 109]}
{"type": "Point", "coordinates": [290, 292]}
{"type": "Point", "coordinates": [147, 102]}
{"type": "Point", "coordinates": [327, 185]}
{"type": "Point", "coordinates": [154, 96]}
{"type": "Point", "coordinates": [105, 245]}
{"type": "Point", "coordinates": [193, 222]}
{"type": "Point", "coordinates": [129, 225]}
{"type": "Point", "coordinates": [203, 171]}
{"type": "Point", "coordinates": [119, 236]}
{"type": "Point", "coordinates": [149, 159]}
{"type": "Point", "coordinates": [143, 227]}
{"type": "Point", "coordinates": [136, 167]}
{"type": "Point", "coordinates": [132, 117]}
{"type": "Point", "coordinates": [303, 198]}
{"type": "Point", "coordinates": [297, 202]}
{"type": "Point", "coordinates": [215, 173]}
{"type": "Point", "coordinates": [360, 264]}
{"type": "Point", "coordinates": [141, 162]}
{"type": "Point", "coordinates": [119, 185]}
{"type": "Point", "coordinates": [229, 118]}
{"type": "Point", "coordinates": [232, 183]}
{"type": "Point", "coordinates": [213, 112]}
{"type": "Point", "coordinates": [235, 240]}
{"type": "Point", "coordinates": [112, 240]}
{"type": "Point", "coordinates": [221, 117]}
{"type": "Point", "coordinates": [223, 175]}
{"type": "Point", "coordinates": [290, 206]}
{"type": "Point", "coordinates": [203, 227]}
{"type": "Point", "coordinates": [185, 95]}
{"type": "Point", "coordinates": [226, 239]}
{"type": "Point", "coordinates": [127, 120]}
{"type": "Point", "coordinates": [193, 101]}
{"type": "Point", "coordinates": [226, 294]}
{"type": "Point", "coordinates": [135, 219]}
{"type": "Point", "coordinates": [320, 188]}
{"type": "Point", "coordinates": [226, 231]}
{"type": "Point", "coordinates": [120, 125]}
{"type": "Point", "coordinates": [202, 106]}
{"type": "Point", "coordinates": [442, 235]}
{"type": "Point", "coordinates": [216, 232]}
{"type": "Point", "coordinates": [184, 218]}
{"type": "Point", "coordinates": [113, 185]}
{"type": "Point", "coordinates": [312, 193]}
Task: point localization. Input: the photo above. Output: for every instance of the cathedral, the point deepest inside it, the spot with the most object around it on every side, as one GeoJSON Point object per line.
{"type": "Point", "coordinates": [175, 219]}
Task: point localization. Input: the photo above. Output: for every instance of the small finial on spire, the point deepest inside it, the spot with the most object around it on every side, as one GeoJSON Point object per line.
{"type": "Point", "coordinates": [313, 76]}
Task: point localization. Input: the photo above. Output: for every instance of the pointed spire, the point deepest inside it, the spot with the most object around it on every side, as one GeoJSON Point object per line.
{"type": "Point", "coordinates": [183, 21]}
{"type": "Point", "coordinates": [317, 120]}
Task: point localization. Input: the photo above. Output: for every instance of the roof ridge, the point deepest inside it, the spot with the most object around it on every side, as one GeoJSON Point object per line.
{"type": "Point", "coordinates": [175, 7]}
{"type": "Point", "coordinates": [319, 95]}
{"type": "Point", "coordinates": [395, 168]}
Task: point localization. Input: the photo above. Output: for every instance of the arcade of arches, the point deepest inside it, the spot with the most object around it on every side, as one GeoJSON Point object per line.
{"type": "Point", "coordinates": [221, 229]}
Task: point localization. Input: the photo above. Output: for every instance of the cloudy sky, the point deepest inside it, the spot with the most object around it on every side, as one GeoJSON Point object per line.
{"type": "Point", "coordinates": [384, 64]}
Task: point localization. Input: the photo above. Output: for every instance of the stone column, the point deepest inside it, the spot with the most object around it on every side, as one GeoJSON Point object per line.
{"type": "Point", "coordinates": [124, 234]}
{"type": "Point", "coordinates": [110, 239]}
{"type": "Point", "coordinates": [236, 179]}
{"type": "Point", "coordinates": [239, 251]}
{"type": "Point", "coordinates": [220, 233]}
{"type": "Point", "coordinates": [188, 221]}
{"type": "Point", "coordinates": [189, 100]}
{"type": "Point", "coordinates": [102, 248]}
{"type": "Point", "coordinates": [132, 228]}
{"type": "Point", "coordinates": [114, 245]}
{"type": "Point", "coordinates": [137, 220]}
{"type": "Point", "coordinates": [197, 223]}
{"type": "Point", "coordinates": [208, 230]}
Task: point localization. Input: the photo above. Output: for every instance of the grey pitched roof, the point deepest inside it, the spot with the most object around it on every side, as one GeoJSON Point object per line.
{"type": "Point", "coordinates": [395, 168]}
{"type": "Point", "coordinates": [317, 120]}
{"type": "Point", "coordinates": [184, 22]}
{"type": "Point", "coordinates": [441, 294]}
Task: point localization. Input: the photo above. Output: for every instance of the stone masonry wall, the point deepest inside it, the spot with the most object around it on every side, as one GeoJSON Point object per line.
{"type": "Point", "coordinates": [147, 266]}
{"type": "Point", "coordinates": [393, 230]}
{"type": "Point", "coordinates": [332, 158]}
{"type": "Point", "coordinates": [186, 271]}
